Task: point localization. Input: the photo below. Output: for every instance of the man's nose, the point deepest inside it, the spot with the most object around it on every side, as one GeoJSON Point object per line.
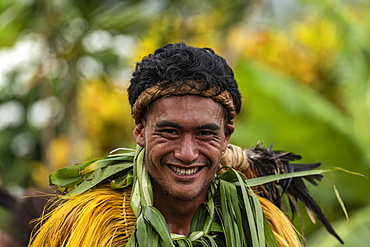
{"type": "Point", "coordinates": [187, 150]}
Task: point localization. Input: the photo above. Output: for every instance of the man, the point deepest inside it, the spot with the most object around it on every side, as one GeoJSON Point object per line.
{"type": "Point", "coordinates": [185, 184]}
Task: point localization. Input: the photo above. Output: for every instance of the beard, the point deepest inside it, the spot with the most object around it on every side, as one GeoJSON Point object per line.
{"type": "Point", "coordinates": [181, 197]}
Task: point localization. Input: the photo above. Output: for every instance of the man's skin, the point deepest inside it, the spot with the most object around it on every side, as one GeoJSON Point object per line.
{"type": "Point", "coordinates": [179, 134]}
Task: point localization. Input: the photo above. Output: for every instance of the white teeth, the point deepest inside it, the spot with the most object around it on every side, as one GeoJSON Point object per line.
{"type": "Point", "coordinates": [182, 171]}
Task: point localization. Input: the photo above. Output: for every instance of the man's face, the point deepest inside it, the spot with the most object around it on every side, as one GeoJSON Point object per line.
{"type": "Point", "coordinates": [184, 137]}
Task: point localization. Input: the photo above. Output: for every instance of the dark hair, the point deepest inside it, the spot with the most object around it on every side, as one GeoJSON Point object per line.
{"type": "Point", "coordinates": [180, 63]}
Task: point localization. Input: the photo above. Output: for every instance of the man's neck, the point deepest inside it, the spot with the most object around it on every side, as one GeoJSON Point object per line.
{"type": "Point", "coordinates": [178, 213]}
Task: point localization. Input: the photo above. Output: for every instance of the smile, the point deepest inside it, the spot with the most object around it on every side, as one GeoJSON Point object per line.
{"type": "Point", "coordinates": [181, 171]}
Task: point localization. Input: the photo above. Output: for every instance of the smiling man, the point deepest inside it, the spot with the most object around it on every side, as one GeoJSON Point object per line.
{"type": "Point", "coordinates": [184, 185]}
{"type": "Point", "coordinates": [183, 147]}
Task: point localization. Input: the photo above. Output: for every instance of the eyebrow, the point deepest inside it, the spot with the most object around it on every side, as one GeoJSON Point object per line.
{"type": "Point", "coordinates": [165, 123]}
{"type": "Point", "coordinates": [211, 126]}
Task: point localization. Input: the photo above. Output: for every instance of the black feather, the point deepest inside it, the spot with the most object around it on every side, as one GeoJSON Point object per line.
{"type": "Point", "coordinates": [266, 162]}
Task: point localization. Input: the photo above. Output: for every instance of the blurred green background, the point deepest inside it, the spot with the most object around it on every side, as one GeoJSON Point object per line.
{"type": "Point", "coordinates": [303, 68]}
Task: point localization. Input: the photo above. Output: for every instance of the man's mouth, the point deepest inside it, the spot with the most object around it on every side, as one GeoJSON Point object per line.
{"type": "Point", "coordinates": [181, 171]}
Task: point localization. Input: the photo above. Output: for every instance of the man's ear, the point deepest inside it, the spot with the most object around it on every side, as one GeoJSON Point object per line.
{"type": "Point", "coordinates": [230, 129]}
{"type": "Point", "coordinates": [139, 134]}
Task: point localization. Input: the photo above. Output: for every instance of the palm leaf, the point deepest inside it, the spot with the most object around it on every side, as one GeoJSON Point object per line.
{"type": "Point", "coordinates": [158, 222]}
{"type": "Point", "coordinates": [97, 177]}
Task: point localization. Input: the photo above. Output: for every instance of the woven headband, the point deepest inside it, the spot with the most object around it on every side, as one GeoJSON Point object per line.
{"type": "Point", "coordinates": [155, 92]}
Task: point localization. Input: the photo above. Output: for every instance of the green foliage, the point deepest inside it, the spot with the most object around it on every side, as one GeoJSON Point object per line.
{"type": "Point", "coordinates": [293, 116]}
{"type": "Point", "coordinates": [90, 173]}
{"type": "Point", "coordinates": [354, 233]}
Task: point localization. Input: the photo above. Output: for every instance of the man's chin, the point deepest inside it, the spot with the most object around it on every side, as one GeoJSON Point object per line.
{"type": "Point", "coordinates": [183, 194]}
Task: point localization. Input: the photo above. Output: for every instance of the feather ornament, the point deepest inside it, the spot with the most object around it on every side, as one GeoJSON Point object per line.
{"type": "Point", "coordinates": [265, 162]}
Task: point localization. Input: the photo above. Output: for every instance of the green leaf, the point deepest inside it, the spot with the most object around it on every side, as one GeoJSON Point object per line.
{"type": "Point", "coordinates": [135, 199]}
{"type": "Point", "coordinates": [158, 222]}
{"type": "Point", "coordinates": [230, 211]}
{"type": "Point", "coordinates": [73, 175]}
{"type": "Point", "coordinates": [146, 194]}
{"type": "Point", "coordinates": [142, 232]}
{"type": "Point", "coordinates": [183, 243]}
{"type": "Point", "coordinates": [269, 235]}
{"type": "Point", "coordinates": [196, 235]}
{"type": "Point", "coordinates": [123, 181]}
{"type": "Point", "coordinates": [199, 217]}
{"type": "Point", "coordinates": [215, 227]}
{"type": "Point", "coordinates": [98, 176]}
{"type": "Point", "coordinates": [210, 240]}
{"type": "Point", "coordinates": [267, 179]}
{"type": "Point", "coordinates": [248, 208]}
{"type": "Point", "coordinates": [259, 219]}
{"type": "Point", "coordinates": [102, 163]}
{"type": "Point", "coordinates": [68, 176]}
{"type": "Point", "coordinates": [341, 203]}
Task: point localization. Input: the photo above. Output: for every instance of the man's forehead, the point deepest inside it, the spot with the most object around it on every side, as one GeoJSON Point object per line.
{"type": "Point", "coordinates": [189, 102]}
{"type": "Point", "coordinates": [186, 107]}
{"type": "Point", "coordinates": [146, 98]}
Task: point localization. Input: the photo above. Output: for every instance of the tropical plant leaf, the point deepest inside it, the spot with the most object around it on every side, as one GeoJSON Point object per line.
{"type": "Point", "coordinates": [68, 176]}
{"type": "Point", "coordinates": [196, 235]}
{"type": "Point", "coordinates": [141, 230]}
{"type": "Point", "coordinates": [215, 227]}
{"type": "Point", "coordinates": [269, 235]}
{"type": "Point", "coordinates": [210, 240]}
{"type": "Point", "coordinates": [158, 222]}
{"type": "Point", "coordinates": [135, 199]}
{"type": "Point", "coordinates": [123, 181]}
{"type": "Point", "coordinates": [102, 163]}
{"type": "Point", "coordinates": [227, 190]}
{"type": "Point", "coordinates": [98, 176]}
{"type": "Point", "coordinates": [72, 175]}
{"type": "Point", "coordinates": [199, 217]}
{"type": "Point", "coordinates": [259, 219]}
{"type": "Point", "coordinates": [339, 198]}
{"type": "Point", "coordinates": [146, 194]}
{"type": "Point", "coordinates": [266, 179]}
{"type": "Point", "coordinates": [249, 210]}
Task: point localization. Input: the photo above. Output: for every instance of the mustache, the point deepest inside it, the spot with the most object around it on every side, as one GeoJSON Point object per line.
{"type": "Point", "coordinates": [175, 161]}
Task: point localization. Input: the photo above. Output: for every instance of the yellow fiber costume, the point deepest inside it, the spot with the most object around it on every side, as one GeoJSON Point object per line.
{"type": "Point", "coordinates": [101, 214]}
{"type": "Point", "coordinates": [102, 217]}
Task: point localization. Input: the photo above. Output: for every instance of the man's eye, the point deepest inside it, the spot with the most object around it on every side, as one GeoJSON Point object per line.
{"type": "Point", "coordinates": [206, 134]}
{"type": "Point", "coordinates": [169, 132]}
